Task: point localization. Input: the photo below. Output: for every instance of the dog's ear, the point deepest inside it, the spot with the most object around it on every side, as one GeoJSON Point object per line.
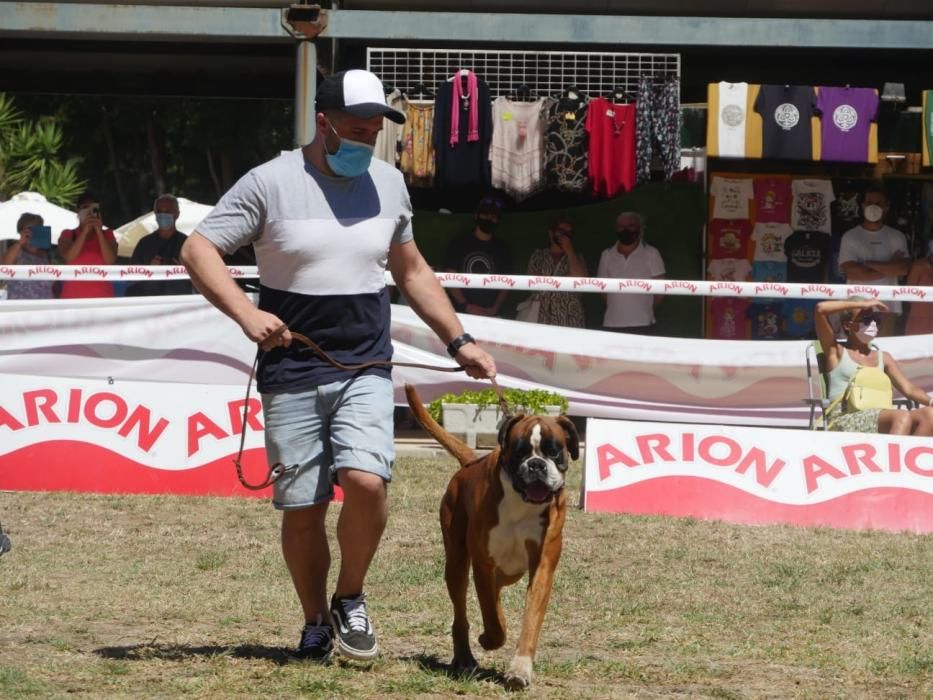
{"type": "Point", "coordinates": [506, 427]}
{"type": "Point", "coordinates": [573, 440]}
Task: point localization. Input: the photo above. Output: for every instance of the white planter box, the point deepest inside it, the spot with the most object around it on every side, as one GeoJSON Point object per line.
{"type": "Point", "coordinates": [478, 427]}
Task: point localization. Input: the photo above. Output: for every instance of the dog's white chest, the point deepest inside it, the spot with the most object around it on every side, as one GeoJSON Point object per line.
{"type": "Point", "coordinates": [518, 522]}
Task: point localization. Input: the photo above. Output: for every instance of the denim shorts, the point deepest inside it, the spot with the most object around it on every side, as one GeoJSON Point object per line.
{"type": "Point", "coordinates": [314, 432]}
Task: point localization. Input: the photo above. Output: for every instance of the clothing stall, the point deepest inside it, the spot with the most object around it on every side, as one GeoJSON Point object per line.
{"type": "Point", "coordinates": [790, 165]}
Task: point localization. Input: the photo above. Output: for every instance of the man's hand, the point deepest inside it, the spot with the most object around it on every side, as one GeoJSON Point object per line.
{"type": "Point", "coordinates": [477, 362]}
{"type": "Point", "coordinates": [266, 329]}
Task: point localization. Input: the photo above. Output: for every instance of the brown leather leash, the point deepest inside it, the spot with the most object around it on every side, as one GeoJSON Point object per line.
{"type": "Point", "coordinates": [278, 469]}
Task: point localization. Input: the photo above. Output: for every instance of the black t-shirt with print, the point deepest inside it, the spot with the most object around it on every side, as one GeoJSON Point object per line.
{"type": "Point", "coordinates": [469, 254]}
{"type": "Point", "coordinates": [808, 254]}
{"type": "Point", "coordinates": [785, 114]}
{"type": "Point", "coordinates": [766, 320]}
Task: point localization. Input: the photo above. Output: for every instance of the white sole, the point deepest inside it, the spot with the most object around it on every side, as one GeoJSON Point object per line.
{"type": "Point", "coordinates": [356, 654]}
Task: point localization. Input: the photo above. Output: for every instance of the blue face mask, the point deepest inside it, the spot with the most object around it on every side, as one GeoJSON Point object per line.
{"type": "Point", "coordinates": [352, 158]}
{"type": "Point", "coordinates": [165, 220]}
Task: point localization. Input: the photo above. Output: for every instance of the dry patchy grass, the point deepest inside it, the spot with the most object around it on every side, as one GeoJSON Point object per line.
{"type": "Point", "coordinates": [164, 596]}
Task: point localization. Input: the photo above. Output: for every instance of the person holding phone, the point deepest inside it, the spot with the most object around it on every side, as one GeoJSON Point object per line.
{"type": "Point", "coordinates": [89, 244]}
{"type": "Point", "coordinates": [559, 259]}
{"type": "Point", "coordinates": [29, 250]}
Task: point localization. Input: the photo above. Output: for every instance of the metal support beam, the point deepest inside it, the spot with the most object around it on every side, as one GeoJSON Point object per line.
{"type": "Point", "coordinates": [141, 22]}
{"type": "Point", "coordinates": [305, 92]}
{"type": "Point", "coordinates": [159, 23]}
{"type": "Point", "coordinates": [614, 30]}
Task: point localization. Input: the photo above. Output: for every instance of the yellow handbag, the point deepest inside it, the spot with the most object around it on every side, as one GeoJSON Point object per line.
{"type": "Point", "coordinates": [868, 388]}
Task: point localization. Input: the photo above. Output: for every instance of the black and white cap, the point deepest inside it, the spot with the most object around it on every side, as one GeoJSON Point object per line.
{"type": "Point", "coordinates": [357, 92]}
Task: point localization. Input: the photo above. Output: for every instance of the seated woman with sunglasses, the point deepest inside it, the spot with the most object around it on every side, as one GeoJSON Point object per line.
{"type": "Point", "coordinates": [844, 355]}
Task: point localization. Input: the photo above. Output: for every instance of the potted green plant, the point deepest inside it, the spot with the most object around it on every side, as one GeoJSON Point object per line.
{"type": "Point", "coordinates": [475, 415]}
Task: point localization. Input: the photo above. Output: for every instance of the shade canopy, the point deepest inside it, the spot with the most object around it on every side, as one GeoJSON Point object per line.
{"type": "Point", "coordinates": [190, 215]}
{"type": "Point", "coordinates": [57, 218]}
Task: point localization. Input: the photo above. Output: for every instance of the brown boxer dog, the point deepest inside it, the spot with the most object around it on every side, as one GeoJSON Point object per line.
{"type": "Point", "coordinates": [504, 514]}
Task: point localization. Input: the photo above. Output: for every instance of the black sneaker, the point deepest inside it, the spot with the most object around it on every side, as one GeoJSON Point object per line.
{"type": "Point", "coordinates": [317, 642]}
{"type": "Point", "coordinates": [355, 636]}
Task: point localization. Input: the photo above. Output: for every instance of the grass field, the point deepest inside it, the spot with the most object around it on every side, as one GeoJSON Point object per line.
{"type": "Point", "coordinates": [165, 596]}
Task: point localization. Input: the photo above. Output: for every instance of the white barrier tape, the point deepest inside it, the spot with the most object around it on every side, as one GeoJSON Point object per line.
{"type": "Point", "coordinates": [114, 273]}
{"type": "Point", "coordinates": [525, 283]}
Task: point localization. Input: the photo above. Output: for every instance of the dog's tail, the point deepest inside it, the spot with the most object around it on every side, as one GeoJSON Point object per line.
{"type": "Point", "coordinates": [456, 447]}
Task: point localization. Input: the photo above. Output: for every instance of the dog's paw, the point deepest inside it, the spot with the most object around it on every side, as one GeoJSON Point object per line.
{"type": "Point", "coordinates": [464, 665]}
{"type": "Point", "coordinates": [491, 640]}
{"type": "Point", "coordinates": [518, 676]}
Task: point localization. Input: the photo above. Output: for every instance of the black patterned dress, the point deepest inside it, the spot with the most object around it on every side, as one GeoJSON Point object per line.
{"type": "Point", "coordinates": [557, 308]}
{"type": "Point", "coordinates": [566, 148]}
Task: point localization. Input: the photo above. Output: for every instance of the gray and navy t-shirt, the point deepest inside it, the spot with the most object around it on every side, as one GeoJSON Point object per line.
{"type": "Point", "coordinates": [321, 245]}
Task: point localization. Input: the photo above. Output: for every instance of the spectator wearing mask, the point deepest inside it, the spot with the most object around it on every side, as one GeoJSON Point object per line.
{"type": "Point", "coordinates": [161, 247]}
{"type": "Point", "coordinates": [559, 259]}
{"type": "Point", "coordinates": [90, 244]}
{"type": "Point", "coordinates": [24, 252]}
{"type": "Point", "coordinates": [480, 252]}
{"type": "Point", "coordinates": [875, 254]}
{"type": "Point", "coordinates": [630, 258]}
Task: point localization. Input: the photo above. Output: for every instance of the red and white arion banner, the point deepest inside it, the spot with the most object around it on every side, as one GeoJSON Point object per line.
{"type": "Point", "coordinates": [760, 475]}
{"type": "Point", "coordinates": [127, 437]}
{"type": "Point", "coordinates": [140, 394]}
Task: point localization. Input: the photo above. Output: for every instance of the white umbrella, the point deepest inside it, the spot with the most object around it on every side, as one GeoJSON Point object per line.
{"type": "Point", "coordinates": [190, 214]}
{"type": "Point", "coordinates": [55, 217]}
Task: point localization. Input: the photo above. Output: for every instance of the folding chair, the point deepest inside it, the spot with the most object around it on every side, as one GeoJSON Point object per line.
{"type": "Point", "coordinates": [817, 384]}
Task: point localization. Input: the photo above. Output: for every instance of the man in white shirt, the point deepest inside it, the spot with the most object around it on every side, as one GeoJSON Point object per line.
{"type": "Point", "coordinates": [876, 254]}
{"type": "Point", "coordinates": [630, 258]}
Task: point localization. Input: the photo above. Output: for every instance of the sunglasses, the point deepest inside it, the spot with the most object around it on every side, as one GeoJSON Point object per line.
{"type": "Point", "coordinates": [869, 318]}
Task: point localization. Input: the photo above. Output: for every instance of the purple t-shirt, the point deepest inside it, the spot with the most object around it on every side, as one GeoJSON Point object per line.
{"type": "Point", "coordinates": [846, 122]}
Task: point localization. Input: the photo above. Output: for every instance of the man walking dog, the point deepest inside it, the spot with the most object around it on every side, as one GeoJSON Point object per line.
{"type": "Point", "coordinates": [325, 220]}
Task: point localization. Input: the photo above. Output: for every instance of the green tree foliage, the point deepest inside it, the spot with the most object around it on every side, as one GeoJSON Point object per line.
{"type": "Point", "coordinates": [31, 157]}
{"type": "Point", "coordinates": [135, 148]}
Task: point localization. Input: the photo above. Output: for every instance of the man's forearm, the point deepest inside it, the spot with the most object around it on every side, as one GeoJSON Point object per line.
{"type": "Point", "coordinates": [859, 272]}
{"type": "Point", "coordinates": [210, 276]}
{"type": "Point", "coordinates": [428, 299]}
{"type": "Point", "coordinates": [893, 268]}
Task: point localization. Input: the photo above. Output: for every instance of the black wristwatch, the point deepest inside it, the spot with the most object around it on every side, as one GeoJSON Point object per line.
{"type": "Point", "coordinates": [454, 347]}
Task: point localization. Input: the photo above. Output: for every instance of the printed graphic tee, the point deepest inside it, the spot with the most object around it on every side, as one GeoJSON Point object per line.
{"type": "Point", "coordinates": [785, 113]}
{"type": "Point", "coordinates": [611, 128]}
{"type": "Point", "coordinates": [772, 200]}
{"type": "Point", "coordinates": [765, 320]}
{"type": "Point", "coordinates": [769, 271]}
{"type": "Point", "coordinates": [729, 238]}
{"type": "Point", "coordinates": [729, 270]}
{"type": "Point", "coordinates": [769, 241]}
{"type": "Point", "coordinates": [729, 317]}
{"type": "Point", "coordinates": [733, 103]}
{"type": "Point", "coordinates": [731, 197]}
{"type": "Point", "coordinates": [808, 254]}
{"type": "Point", "coordinates": [847, 114]}
{"type": "Point", "coordinates": [798, 317]}
{"type": "Point", "coordinates": [811, 207]}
